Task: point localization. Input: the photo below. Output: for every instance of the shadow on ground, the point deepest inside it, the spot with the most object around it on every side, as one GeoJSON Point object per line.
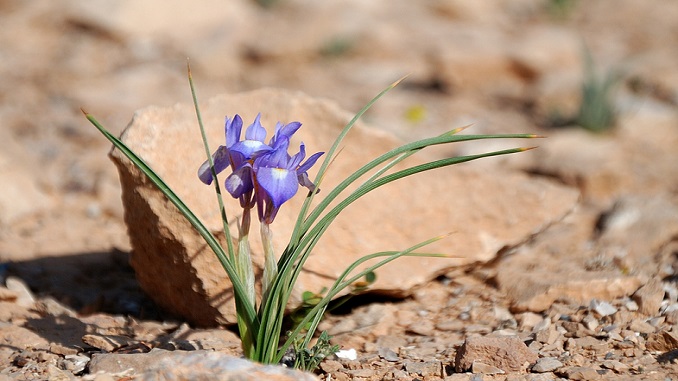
{"type": "Point", "coordinates": [88, 283]}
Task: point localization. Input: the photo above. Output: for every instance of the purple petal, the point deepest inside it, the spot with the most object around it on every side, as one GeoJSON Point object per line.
{"type": "Point", "coordinates": [277, 158]}
{"type": "Point", "coordinates": [256, 131]}
{"type": "Point", "coordinates": [304, 181]}
{"type": "Point", "coordinates": [250, 148]}
{"type": "Point", "coordinates": [309, 163]}
{"type": "Point", "coordinates": [240, 181]}
{"type": "Point", "coordinates": [297, 158]}
{"type": "Point", "coordinates": [280, 184]}
{"type": "Point", "coordinates": [220, 159]}
{"type": "Point", "coordinates": [233, 130]}
{"type": "Point", "coordinates": [288, 130]}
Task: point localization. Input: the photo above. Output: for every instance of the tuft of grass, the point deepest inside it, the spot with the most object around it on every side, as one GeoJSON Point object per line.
{"type": "Point", "coordinates": [597, 111]}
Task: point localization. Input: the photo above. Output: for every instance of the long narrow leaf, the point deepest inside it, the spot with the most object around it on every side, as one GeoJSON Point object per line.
{"type": "Point", "coordinates": [446, 138]}
{"type": "Point", "coordinates": [340, 284]}
{"type": "Point", "coordinates": [330, 155]}
{"type": "Point", "coordinates": [195, 222]}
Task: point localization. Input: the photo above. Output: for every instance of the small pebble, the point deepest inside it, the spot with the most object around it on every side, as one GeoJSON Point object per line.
{"type": "Point", "coordinates": [590, 322]}
{"type": "Point", "coordinates": [75, 363]}
{"type": "Point", "coordinates": [641, 326]}
{"type": "Point", "coordinates": [631, 306]}
{"type": "Point", "coordinates": [615, 365]}
{"type": "Point", "coordinates": [348, 354]}
{"type": "Point", "coordinates": [529, 320]}
{"type": "Point", "coordinates": [602, 308]}
{"type": "Point", "coordinates": [546, 364]}
{"type": "Point", "coordinates": [388, 354]}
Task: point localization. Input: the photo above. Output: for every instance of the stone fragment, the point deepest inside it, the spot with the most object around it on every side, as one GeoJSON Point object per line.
{"type": "Point", "coordinates": [388, 354]}
{"type": "Point", "coordinates": [615, 365]}
{"type": "Point", "coordinates": [480, 367]}
{"type": "Point", "coordinates": [331, 366]}
{"type": "Point", "coordinates": [641, 326]}
{"type": "Point", "coordinates": [106, 343]}
{"type": "Point", "coordinates": [590, 322]}
{"type": "Point", "coordinates": [631, 305]}
{"type": "Point", "coordinates": [425, 368]}
{"type": "Point", "coordinates": [161, 365]}
{"type": "Point", "coordinates": [649, 297]}
{"type": "Point", "coordinates": [361, 373]}
{"type": "Point", "coordinates": [592, 344]}
{"type": "Point", "coordinates": [602, 308]}
{"type": "Point", "coordinates": [529, 320]}
{"type": "Point", "coordinates": [579, 373]}
{"type": "Point", "coordinates": [165, 246]}
{"type": "Point", "coordinates": [507, 353]}
{"type": "Point", "coordinates": [547, 336]}
{"type": "Point", "coordinates": [546, 364]}
{"type": "Point", "coordinates": [75, 363]}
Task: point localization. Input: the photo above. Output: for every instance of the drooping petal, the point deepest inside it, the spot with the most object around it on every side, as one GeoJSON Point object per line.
{"type": "Point", "coordinates": [256, 131]}
{"type": "Point", "coordinates": [221, 162]}
{"type": "Point", "coordinates": [233, 130]}
{"type": "Point", "coordinates": [309, 163]}
{"type": "Point", "coordinates": [304, 181]}
{"type": "Point", "coordinates": [280, 184]}
{"type": "Point", "coordinates": [239, 182]}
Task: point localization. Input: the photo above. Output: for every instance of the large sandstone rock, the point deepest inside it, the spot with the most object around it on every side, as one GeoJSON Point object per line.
{"type": "Point", "coordinates": [486, 211]}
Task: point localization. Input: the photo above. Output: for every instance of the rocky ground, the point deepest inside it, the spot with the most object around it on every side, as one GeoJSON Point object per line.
{"type": "Point", "coordinates": [582, 288]}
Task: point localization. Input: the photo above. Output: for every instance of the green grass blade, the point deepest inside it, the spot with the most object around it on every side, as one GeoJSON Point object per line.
{"type": "Point", "coordinates": [217, 187]}
{"type": "Point", "coordinates": [340, 284]}
{"type": "Point", "coordinates": [330, 155]}
{"type": "Point", "coordinates": [238, 287]}
{"type": "Point", "coordinates": [418, 145]}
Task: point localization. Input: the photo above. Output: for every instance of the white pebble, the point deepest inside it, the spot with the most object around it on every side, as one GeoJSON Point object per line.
{"type": "Point", "coordinates": [348, 354]}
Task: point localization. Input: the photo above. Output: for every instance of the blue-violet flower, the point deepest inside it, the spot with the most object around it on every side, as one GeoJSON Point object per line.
{"type": "Point", "coordinates": [261, 173]}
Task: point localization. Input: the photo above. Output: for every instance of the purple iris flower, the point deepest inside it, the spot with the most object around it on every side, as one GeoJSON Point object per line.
{"type": "Point", "coordinates": [237, 154]}
{"type": "Point", "coordinates": [266, 170]}
{"type": "Point", "coordinates": [278, 176]}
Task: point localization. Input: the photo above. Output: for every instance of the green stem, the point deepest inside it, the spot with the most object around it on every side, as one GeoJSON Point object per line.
{"type": "Point", "coordinates": [270, 262]}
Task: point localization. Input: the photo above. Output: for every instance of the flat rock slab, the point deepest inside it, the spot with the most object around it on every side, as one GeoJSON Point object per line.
{"type": "Point", "coordinates": [486, 210]}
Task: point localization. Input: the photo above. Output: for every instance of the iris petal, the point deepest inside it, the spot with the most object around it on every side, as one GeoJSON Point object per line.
{"type": "Point", "coordinates": [239, 182]}
{"type": "Point", "coordinates": [233, 130]}
{"type": "Point", "coordinates": [220, 159]}
{"type": "Point", "coordinates": [249, 148]}
{"type": "Point", "coordinates": [280, 184]}
{"type": "Point", "coordinates": [309, 163]}
{"type": "Point", "coordinates": [256, 131]}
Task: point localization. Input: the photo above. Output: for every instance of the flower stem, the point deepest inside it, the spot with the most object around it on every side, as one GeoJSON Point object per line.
{"type": "Point", "coordinates": [270, 262]}
{"type": "Point", "coordinates": [245, 272]}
